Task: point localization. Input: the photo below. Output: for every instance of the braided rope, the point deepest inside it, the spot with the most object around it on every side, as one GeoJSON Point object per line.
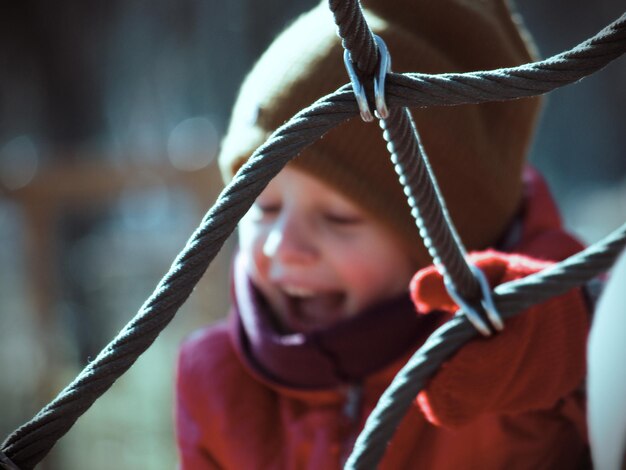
{"type": "Point", "coordinates": [26, 446]}
{"type": "Point", "coordinates": [428, 207]}
{"type": "Point", "coordinates": [511, 298]}
{"type": "Point", "coordinates": [31, 442]}
{"type": "Point", "coordinates": [415, 89]}
{"type": "Point", "coordinates": [356, 35]}
{"type": "Point", "coordinates": [441, 239]}
{"type": "Point", "coordinates": [6, 464]}
{"type": "Point", "coordinates": [427, 204]}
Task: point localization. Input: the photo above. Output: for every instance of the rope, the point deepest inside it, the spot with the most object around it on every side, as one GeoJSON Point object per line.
{"type": "Point", "coordinates": [510, 298]}
{"type": "Point", "coordinates": [6, 464]}
{"type": "Point", "coordinates": [415, 89]}
{"type": "Point", "coordinates": [26, 446]}
{"type": "Point", "coordinates": [411, 164]}
{"type": "Point", "coordinates": [426, 202]}
{"type": "Point", "coordinates": [356, 35]}
{"type": "Point", "coordinates": [436, 229]}
{"type": "Point", "coordinates": [31, 442]}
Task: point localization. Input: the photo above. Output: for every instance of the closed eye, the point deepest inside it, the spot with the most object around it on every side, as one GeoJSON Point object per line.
{"type": "Point", "coordinates": [342, 219]}
{"type": "Point", "coordinates": [264, 211]}
{"type": "Point", "coordinates": [268, 209]}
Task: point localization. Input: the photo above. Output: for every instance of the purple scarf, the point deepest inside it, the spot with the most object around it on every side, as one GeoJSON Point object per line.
{"type": "Point", "coordinates": [344, 353]}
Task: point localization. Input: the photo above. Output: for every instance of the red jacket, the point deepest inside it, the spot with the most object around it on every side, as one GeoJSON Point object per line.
{"type": "Point", "coordinates": [508, 402]}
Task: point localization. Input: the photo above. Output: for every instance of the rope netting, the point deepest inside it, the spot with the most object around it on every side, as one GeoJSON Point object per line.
{"type": "Point", "coordinates": [27, 445]}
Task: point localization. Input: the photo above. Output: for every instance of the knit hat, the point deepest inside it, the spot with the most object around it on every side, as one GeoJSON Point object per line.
{"type": "Point", "coordinates": [476, 151]}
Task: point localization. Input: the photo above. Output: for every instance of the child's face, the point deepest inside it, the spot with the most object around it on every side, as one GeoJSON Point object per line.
{"type": "Point", "coordinates": [316, 256]}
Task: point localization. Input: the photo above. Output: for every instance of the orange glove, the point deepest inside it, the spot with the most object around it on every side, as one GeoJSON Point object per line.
{"type": "Point", "coordinates": [537, 359]}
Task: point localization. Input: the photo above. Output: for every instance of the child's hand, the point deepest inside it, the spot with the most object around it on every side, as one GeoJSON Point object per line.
{"type": "Point", "coordinates": [538, 358]}
{"type": "Point", "coordinates": [429, 293]}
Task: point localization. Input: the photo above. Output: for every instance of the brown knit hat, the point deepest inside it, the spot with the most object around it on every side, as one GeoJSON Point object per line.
{"type": "Point", "coordinates": [476, 151]}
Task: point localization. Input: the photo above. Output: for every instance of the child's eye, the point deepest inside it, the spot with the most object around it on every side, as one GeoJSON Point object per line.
{"type": "Point", "coordinates": [264, 211]}
{"type": "Point", "coordinates": [342, 219]}
{"type": "Point", "coordinates": [269, 209]}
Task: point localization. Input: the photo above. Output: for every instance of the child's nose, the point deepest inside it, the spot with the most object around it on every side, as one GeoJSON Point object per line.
{"type": "Point", "coordinates": [290, 241]}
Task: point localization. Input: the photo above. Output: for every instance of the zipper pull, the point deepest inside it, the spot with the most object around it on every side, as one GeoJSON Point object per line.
{"type": "Point", "coordinates": [352, 406]}
{"type": "Point", "coordinates": [352, 413]}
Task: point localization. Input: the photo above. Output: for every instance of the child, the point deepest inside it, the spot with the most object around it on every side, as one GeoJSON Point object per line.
{"type": "Point", "coordinates": [322, 318]}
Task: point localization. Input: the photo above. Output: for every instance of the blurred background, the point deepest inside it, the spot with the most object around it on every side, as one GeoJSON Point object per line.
{"type": "Point", "coordinates": [111, 114]}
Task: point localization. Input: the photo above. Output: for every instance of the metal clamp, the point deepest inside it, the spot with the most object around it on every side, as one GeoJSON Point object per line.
{"type": "Point", "coordinates": [384, 66]}
{"type": "Point", "coordinates": [486, 302]}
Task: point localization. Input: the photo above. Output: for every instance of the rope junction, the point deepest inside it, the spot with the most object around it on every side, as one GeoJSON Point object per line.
{"type": "Point", "coordinates": [510, 299]}
{"type": "Point", "coordinates": [27, 445]}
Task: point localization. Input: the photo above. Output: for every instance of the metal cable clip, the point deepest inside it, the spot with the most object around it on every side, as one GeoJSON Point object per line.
{"type": "Point", "coordinates": [384, 66]}
{"type": "Point", "coordinates": [486, 302]}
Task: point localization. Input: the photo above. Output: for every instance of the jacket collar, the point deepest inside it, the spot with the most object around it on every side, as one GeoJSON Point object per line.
{"type": "Point", "coordinates": [341, 355]}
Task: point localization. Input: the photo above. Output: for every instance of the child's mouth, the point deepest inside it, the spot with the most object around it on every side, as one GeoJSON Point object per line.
{"type": "Point", "coordinates": [309, 310]}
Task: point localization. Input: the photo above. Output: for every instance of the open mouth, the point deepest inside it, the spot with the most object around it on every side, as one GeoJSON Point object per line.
{"type": "Point", "coordinates": [308, 310]}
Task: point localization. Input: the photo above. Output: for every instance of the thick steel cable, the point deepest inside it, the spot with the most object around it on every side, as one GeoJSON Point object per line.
{"type": "Point", "coordinates": [428, 207]}
{"type": "Point", "coordinates": [427, 204]}
{"type": "Point", "coordinates": [56, 418]}
{"type": "Point", "coordinates": [6, 463]}
{"type": "Point", "coordinates": [415, 89]}
{"type": "Point", "coordinates": [436, 229]}
{"type": "Point", "coordinates": [510, 298]}
{"type": "Point", "coordinates": [31, 442]}
{"type": "Point", "coordinates": [356, 35]}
